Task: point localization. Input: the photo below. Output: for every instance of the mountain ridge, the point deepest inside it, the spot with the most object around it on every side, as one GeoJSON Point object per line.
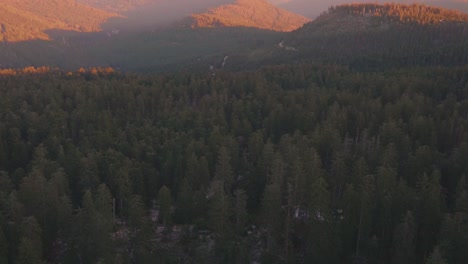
{"type": "Point", "coordinates": [245, 13]}
{"type": "Point", "coordinates": [31, 19]}
{"type": "Point", "coordinates": [374, 36]}
{"type": "Point", "coordinates": [313, 9]}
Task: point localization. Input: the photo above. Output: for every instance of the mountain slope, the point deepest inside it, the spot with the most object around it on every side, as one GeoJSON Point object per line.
{"type": "Point", "coordinates": [249, 13]}
{"type": "Point", "coordinates": [30, 19]}
{"type": "Point", "coordinates": [313, 8]}
{"type": "Point", "coordinates": [348, 18]}
{"type": "Point", "coordinates": [381, 36]}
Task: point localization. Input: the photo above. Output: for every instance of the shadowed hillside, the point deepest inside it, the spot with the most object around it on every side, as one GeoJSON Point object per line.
{"type": "Point", "coordinates": [389, 35]}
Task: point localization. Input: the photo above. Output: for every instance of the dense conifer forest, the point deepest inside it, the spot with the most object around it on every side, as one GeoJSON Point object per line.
{"type": "Point", "coordinates": [287, 164]}
{"type": "Point", "coordinates": [345, 141]}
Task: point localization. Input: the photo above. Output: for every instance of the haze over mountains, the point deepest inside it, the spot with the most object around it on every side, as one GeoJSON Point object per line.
{"type": "Point", "coordinates": [117, 5]}
{"type": "Point", "coordinates": [181, 34]}
{"type": "Point", "coordinates": [31, 19]}
{"type": "Point", "coordinates": [143, 14]}
{"type": "Point", "coordinates": [206, 14]}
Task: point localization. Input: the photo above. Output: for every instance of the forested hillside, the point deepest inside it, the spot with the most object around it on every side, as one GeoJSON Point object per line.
{"type": "Point", "coordinates": [344, 141]}
{"type": "Point", "coordinates": [288, 164]}
{"type": "Point", "coordinates": [313, 9]}
{"type": "Point", "coordinates": [372, 36]}
{"type": "Point", "coordinates": [415, 13]}
{"type": "Point", "coordinates": [362, 36]}
{"type": "Point", "coordinates": [31, 19]}
{"type": "Point", "coordinates": [249, 13]}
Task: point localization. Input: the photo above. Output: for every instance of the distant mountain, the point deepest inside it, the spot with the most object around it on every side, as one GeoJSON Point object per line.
{"type": "Point", "coordinates": [150, 14]}
{"type": "Point", "coordinates": [368, 36]}
{"type": "Point", "coordinates": [37, 19]}
{"type": "Point", "coordinates": [249, 13]}
{"type": "Point", "coordinates": [31, 19]}
{"type": "Point", "coordinates": [313, 8]}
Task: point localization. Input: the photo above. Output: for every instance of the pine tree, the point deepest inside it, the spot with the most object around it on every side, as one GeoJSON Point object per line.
{"type": "Point", "coordinates": [192, 174]}
{"type": "Point", "coordinates": [3, 246]}
{"type": "Point", "coordinates": [104, 205]}
{"type": "Point", "coordinates": [351, 205]}
{"type": "Point", "coordinates": [220, 209]}
{"type": "Point", "coordinates": [30, 248]}
{"type": "Point", "coordinates": [33, 191]}
{"type": "Point", "coordinates": [453, 235]}
{"type": "Point", "coordinates": [240, 212]}
{"type": "Point", "coordinates": [271, 213]}
{"type": "Point", "coordinates": [64, 217]}
{"type": "Point", "coordinates": [271, 205]}
{"type": "Point", "coordinates": [429, 211]}
{"type": "Point", "coordinates": [405, 239]}
{"type": "Point", "coordinates": [365, 221]}
{"type": "Point", "coordinates": [92, 234]}
{"type": "Point", "coordinates": [165, 204]}
{"type": "Point", "coordinates": [321, 246]}
{"type": "Point", "coordinates": [223, 170]}
{"type": "Point", "coordinates": [141, 231]}
{"type": "Point", "coordinates": [185, 203]}
{"type": "Point", "coordinates": [436, 257]}
{"type": "Point", "coordinates": [204, 172]}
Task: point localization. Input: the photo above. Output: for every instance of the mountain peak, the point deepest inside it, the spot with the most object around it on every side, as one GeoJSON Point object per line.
{"type": "Point", "coordinates": [249, 13]}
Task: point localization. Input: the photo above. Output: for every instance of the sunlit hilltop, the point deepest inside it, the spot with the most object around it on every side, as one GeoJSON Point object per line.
{"type": "Point", "coordinates": [31, 19]}
{"type": "Point", "coordinates": [313, 8]}
{"type": "Point", "coordinates": [250, 13]}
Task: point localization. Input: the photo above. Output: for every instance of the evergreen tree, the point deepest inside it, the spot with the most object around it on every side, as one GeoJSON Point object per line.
{"type": "Point", "coordinates": [104, 204]}
{"type": "Point", "coordinates": [141, 231]}
{"type": "Point", "coordinates": [405, 239]}
{"type": "Point", "coordinates": [271, 210]}
{"type": "Point", "coordinates": [436, 257]}
{"type": "Point", "coordinates": [220, 209]}
{"type": "Point", "coordinates": [165, 203]}
{"type": "Point", "coordinates": [92, 234]}
{"type": "Point", "coordinates": [429, 211]}
{"type": "Point", "coordinates": [30, 248]}
{"type": "Point", "coordinates": [185, 204]}
{"type": "Point", "coordinates": [223, 170]}
{"type": "Point", "coordinates": [3, 247]}
{"type": "Point", "coordinates": [453, 235]}
{"type": "Point", "coordinates": [321, 246]}
{"type": "Point", "coordinates": [240, 212]}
